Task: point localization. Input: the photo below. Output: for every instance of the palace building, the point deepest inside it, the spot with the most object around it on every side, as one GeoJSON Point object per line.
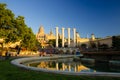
{"type": "Point", "coordinates": [44, 38]}
{"type": "Point", "coordinates": [69, 41]}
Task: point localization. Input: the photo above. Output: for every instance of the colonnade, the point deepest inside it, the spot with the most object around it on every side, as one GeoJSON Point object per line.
{"type": "Point", "coordinates": [63, 29]}
{"type": "Point", "coordinates": [70, 67]}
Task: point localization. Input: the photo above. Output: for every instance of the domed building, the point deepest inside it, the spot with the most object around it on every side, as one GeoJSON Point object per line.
{"type": "Point", "coordinates": [50, 36]}
{"type": "Point", "coordinates": [44, 38]}
{"type": "Point", "coordinates": [40, 35]}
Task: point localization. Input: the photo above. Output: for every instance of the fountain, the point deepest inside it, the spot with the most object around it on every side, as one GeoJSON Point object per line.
{"type": "Point", "coordinates": [59, 65]}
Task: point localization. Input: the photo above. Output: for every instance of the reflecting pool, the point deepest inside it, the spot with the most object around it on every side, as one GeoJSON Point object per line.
{"type": "Point", "coordinates": [73, 66]}
{"type": "Point", "coordinates": [53, 65]}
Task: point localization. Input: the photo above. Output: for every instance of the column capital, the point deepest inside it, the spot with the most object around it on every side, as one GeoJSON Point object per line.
{"type": "Point", "coordinates": [74, 28]}
{"type": "Point", "coordinates": [56, 27]}
{"type": "Point", "coordinates": [68, 28]}
{"type": "Point", "coordinates": [63, 28]}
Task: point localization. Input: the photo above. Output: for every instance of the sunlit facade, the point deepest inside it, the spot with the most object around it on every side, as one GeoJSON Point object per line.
{"type": "Point", "coordinates": [44, 38]}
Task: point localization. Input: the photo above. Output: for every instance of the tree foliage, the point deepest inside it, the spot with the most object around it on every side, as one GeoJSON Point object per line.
{"type": "Point", "coordinates": [53, 42]}
{"type": "Point", "coordinates": [60, 42]}
{"type": "Point", "coordinates": [83, 45]}
{"type": "Point", "coordinates": [14, 29]}
{"type": "Point", "coordinates": [92, 44]}
{"type": "Point", "coordinates": [103, 47]}
{"type": "Point", "coordinates": [116, 42]}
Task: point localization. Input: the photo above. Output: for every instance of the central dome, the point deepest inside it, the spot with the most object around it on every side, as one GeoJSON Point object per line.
{"type": "Point", "coordinates": [41, 30]}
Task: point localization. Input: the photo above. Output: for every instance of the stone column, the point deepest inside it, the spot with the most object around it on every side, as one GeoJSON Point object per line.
{"type": "Point", "coordinates": [75, 68]}
{"type": "Point", "coordinates": [63, 37]}
{"type": "Point", "coordinates": [63, 66]}
{"type": "Point", "coordinates": [74, 36]}
{"type": "Point", "coordinates": [68, 37]}
{"type": "Point", "coordinates": [57, 66]}
{"type": "Point", "coordinates": [56, 36]}
{"type": "Point", "coordinates": [69, 67]}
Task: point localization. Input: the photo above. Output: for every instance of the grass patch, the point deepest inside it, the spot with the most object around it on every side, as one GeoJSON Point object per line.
{"type": "Point", "coordinates": [11, 72]}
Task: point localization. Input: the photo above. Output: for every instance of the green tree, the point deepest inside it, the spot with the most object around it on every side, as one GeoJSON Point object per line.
{"type": "Point", "coordinates": [116, 42]}
{"type": "Point", "coordinates": [14, 29]}
{"type": "Point", "coordinates": [60, 42]}
{"type": "Point", "coordinates": [103, 47]}
{"type": "Point", "coordinates": [52, 42]}
{"type": "Point", "coordinates": [83, 46]}
{"type": "Point", "coordinates": [6, 23]}
{"type": "Point", "coordinates": [92, 44]}
{"type": "Point", "coordinates": [6, 17]}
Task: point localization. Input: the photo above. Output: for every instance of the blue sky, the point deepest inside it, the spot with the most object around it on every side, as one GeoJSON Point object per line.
{"type": "Point", "coordinates": [101, 17]}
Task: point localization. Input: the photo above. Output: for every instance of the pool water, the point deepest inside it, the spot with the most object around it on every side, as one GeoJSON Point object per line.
{"type": "Point", "coordinates": [73, 66]}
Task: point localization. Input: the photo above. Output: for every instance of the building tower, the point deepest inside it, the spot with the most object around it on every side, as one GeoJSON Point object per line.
{"type": "Point", "coordinates": [41, 30]}
{"type": "Point", "coordinates": [92, 37]}
{"type": "Point", "coordinates": [40, 35]}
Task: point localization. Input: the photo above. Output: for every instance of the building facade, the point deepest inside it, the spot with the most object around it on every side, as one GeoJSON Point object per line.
{"type": "Point", "coordinates": [44, 38]}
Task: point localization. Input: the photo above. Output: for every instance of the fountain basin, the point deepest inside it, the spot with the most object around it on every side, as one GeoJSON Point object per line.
{"type": "Point", "coordinates": [19, 62]}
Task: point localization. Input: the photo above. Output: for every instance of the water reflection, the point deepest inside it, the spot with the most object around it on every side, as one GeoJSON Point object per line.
{"type": "Point", "coordinates": [62, 66]}
{"type": "Point", "coordinates": [76, 66]}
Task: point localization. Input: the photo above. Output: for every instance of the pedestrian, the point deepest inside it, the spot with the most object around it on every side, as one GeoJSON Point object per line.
{"type": "Point", "coordinates": [18, 49]}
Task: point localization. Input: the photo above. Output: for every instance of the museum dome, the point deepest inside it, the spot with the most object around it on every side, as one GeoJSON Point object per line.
{"type": "Point", "coordinates": [41, 30]}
